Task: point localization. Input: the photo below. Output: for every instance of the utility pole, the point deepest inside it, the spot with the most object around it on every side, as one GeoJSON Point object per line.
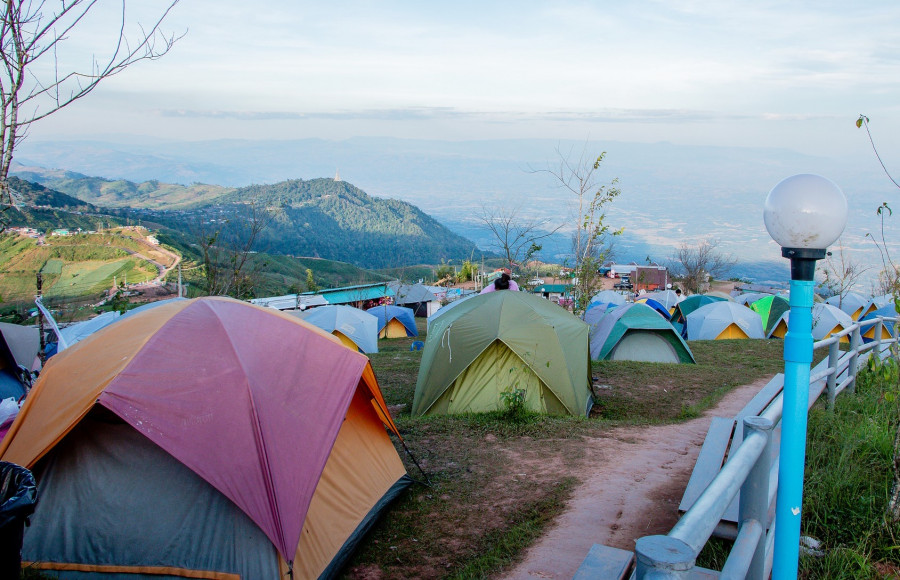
{"type": "Point", "coordinates": [40, 286]}
{"type": "Point", "coordinates": [179, 280]}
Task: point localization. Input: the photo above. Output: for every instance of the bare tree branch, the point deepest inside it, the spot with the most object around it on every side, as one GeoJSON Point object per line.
{"type": "Point", "coordinates": [31, 34]}
{"type": "Point", "coordinates": [228, 250]}
{"type": "Point", "coordinates": [840, 272]}
{"type": "Point", "coordinates": [515, 237]}
{"type": "Point", "coordinates": [695, 264]}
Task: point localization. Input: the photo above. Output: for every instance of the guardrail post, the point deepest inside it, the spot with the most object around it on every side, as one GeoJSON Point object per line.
{"type": "Point", "coordinates": [855, 341]}
{"type": "Point", "coordinates": [662, 557]}
{"type": "Point", "coordinates": [754, 498]}
{"type": "Point", "coordinates": [878, 326]}
{"type": "Point", "coordinates": [834, 353]}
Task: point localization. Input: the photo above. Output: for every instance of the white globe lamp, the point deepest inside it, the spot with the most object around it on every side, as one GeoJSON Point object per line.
{"type": "Point", "coordinates": [805, 214]}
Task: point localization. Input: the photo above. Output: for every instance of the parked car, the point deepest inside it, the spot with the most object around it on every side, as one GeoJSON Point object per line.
{"type": "Point", "coordinates": [624, 284]}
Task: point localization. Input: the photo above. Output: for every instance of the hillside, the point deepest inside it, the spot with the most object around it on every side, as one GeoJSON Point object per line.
{"type": "Point", "coordinates": [36, 195]}
{"type": "Point", "coordinates": [95, 260]}
{"type": "Point", "coordinates": [277, 274]}
{"type": "Point", "coordinates": [324, 218]}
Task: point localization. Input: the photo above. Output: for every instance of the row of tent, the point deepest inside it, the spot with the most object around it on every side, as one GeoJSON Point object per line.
{"type": "Point", "coordinates": [649, 331]}
{"type": "Point", "coordinates": [204, 438]}
{"type": "Point", "coordinates": [359, 329]}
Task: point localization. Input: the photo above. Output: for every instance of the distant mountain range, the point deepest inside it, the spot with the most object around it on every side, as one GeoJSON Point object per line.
{"type": "Point", "coordinates": [671, 194]}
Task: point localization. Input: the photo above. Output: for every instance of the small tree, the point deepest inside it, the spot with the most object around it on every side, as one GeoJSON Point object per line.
{"type": "Point", "coordinates": [468, 271]}
{"type": "Point", "coordinates": [889, 282]}
{"type": "Point", "coordinates": [694, 265]}
{"type": "Point", "coordinates": [592, 239]}
{"type": "Point", "coordinates": [444, 274]}
{"type": "Point", "coordinates": [311, 285]}
{"type": "Point", "coordinates": [228, 250]}
{"type": "Point", "coordinates": [35, 82]}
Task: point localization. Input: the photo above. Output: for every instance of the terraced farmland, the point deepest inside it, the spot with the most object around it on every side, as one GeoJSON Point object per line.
{"type": "Point", "coordinates": [72, 267]}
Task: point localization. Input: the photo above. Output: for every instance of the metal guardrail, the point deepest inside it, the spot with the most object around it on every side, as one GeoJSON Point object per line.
{"type": "Point", "coordinates": [752, 469]}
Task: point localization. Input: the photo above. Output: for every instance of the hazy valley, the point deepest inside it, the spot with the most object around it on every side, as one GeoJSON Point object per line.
{"type": "Point", "coordinates": [670, 193]}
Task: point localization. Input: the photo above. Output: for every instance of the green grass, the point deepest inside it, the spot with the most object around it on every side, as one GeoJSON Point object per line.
{"type": "Point", "coordinates": [13, 245]}
{"type": "Point", "coordinates": [53, 266]}
{"type": "Point", "coordinates": [640, 393]}
{"type": "Point", "coordinates": [83, 278]}
{"type": "Point", "coordinates": [35, 574]}
{"type": "Point", "coordinates": [849, 475]}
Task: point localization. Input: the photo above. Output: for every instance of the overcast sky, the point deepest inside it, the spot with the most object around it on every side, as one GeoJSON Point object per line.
{"type": "Point", "coordinates": [792, 74]}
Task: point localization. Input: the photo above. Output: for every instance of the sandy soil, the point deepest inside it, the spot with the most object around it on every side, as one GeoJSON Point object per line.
{"type": "Point", "coordinates": [636, 482]}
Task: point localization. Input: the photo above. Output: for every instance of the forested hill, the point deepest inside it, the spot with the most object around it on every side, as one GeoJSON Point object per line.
{"type": "Point", "coordinates": [32, 194]}
{"type": "Point", "coordinates": [338, 221]}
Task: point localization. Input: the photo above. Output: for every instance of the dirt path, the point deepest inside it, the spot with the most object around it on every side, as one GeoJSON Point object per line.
{"type": "Point", "coordinates": [634, 490]}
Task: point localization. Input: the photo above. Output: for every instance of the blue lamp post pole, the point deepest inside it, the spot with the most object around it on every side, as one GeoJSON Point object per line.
{"type": "Point", "coordinates": [805, 214]}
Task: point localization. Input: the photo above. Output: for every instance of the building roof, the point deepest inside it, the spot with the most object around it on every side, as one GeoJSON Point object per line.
{"type": "Point", "coordinates": [553, 288]}
{"type": "Point", "coordinates": [290, 301]}
{"type": "Point", "coordinates": [347, 294]}
{"type": "Point", "coordinates": [411, 293]}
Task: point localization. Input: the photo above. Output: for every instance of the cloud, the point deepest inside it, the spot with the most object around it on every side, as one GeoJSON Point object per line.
{"type": "Point", "coordinates": [452, 113]}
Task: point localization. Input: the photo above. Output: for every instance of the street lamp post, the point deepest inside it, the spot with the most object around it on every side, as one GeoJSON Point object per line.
{"type": "Point", "coordinates": [805, 214]}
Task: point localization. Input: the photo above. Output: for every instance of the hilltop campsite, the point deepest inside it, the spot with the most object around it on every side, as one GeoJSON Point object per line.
{"type": "Point", "coordinates": [405, 290]}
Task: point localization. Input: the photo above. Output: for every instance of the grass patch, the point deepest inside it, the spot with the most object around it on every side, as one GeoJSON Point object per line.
{"type": "Point", "coordinates": [641, 393]}
{"type": "Point", "coordinates": [849, 474]}
{"type": "Point", "coordinates": [501, 547]}
{"type": "Point", "coordinates": [73, 267]}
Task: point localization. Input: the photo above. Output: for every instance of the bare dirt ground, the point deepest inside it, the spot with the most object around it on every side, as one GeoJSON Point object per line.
{"type": "Point", "coordinates": [636, 480]}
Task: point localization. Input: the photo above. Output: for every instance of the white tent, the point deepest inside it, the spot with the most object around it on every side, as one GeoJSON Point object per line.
{"type": "Point", "coordinates": [723, 320]}
{"type": "Point", "coordinates": [356, 328]}
{"type": "Point", "coordinates": [853, 303]}
{"type": "Point", "coordinates": [609, 296]}
{"type": "Point", "coordinates": [749, 298]}
{"type": "Point", "coordinates": [81, 330]}
{"type": "Point", "coordinates": [667, 298]}
{"type": "Point", "coordinates": [826, 320]}
{"type": "Point", "coordinates": [595, 312]}
{"type": "Point", "coordinates": [416, 296]}
{"type": "Point", "coordinates": [878, 302]}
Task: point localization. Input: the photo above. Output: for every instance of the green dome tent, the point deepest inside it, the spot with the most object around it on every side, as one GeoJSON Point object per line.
{"type": "Point", "coordinates": [500, 341]}
{"type": "Point", "coordinates": [770, 310]}
{"type": "Point", "coordinates": [638, 332]}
